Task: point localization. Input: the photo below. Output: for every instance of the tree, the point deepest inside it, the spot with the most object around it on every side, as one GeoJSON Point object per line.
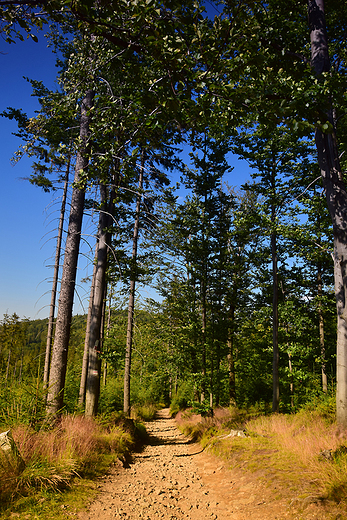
{"type": "Point", "coordinates": [275, 79]}
{"type": "Point", "coordinates": [277, 155]}
{"type": "Point", "coordinates": [336, 195]}
{"type": "Point", "coordinates": [99, 287]}
{"type": "Point", "coordinates": [51, 145]}
{"type": "Point", "coordinates": [314, 246]}
{"type": "Point", "coordinates": [196, 235]}
{"type": "Point", "coordinates": [129, 336]}
{"type": "Point", "coordinates": [12, 337]}
{"type": "Point", "coordinates": [63, 323]}
{"type": "Point", "coordinates": [55, 279]}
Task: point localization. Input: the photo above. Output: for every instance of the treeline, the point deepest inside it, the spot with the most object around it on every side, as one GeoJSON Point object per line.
{"type": "Point", "coordinates": [247, 276]}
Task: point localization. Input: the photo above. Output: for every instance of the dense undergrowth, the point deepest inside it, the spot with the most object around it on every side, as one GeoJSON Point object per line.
{"type": "Point", "coordinates": [302, 455]}
{"type": "Point", "coordinates": [56, 468]}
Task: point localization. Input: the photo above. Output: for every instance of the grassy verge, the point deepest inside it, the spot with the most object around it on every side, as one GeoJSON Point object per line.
{"type": "Point", "coordinates": [303, 455]}
{"type": "Point", "coordinates": [61, 465]}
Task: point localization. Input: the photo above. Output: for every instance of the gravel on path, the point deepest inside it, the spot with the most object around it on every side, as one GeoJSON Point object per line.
{"type": "Point", "coordinates": [173, 479]}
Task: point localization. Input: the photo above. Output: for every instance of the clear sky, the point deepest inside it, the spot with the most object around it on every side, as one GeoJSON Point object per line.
{"type": "Point", "coordinates": [28, 218]}
{"type": "Point", "coordinates": [23, 221]}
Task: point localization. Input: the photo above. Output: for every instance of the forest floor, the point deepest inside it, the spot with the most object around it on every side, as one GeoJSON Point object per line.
{"type": "Point", "coordinates": [173, 479]}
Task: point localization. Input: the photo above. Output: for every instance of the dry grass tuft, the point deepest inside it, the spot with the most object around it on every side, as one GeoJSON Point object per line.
{"type": "Point", "coordinates": [304, 436]}
{"type": "Point", "coordinates": [43, 475]}
{"type": "Point", "coordinates": [190, 424]}
{"type": "Point", "coordinates": [304, 454]}
{"type": "Point", "coordinates": [73, 438]}
{"type": "Point", "coordinates": [54, 458]}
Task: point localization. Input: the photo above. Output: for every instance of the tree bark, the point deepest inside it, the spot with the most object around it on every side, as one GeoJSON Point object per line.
{"type": "Point", "coordinates": [85, 360]}
{"type": "Point", "coordinates": [231, 365]}
{"type": "Point", "coordinates": [321, 329]}
{"type": "Point", "coordinates": [8, 364]}
{"type": "Point", "coordinates": [291, 384]}
{"type": "Point", "coordinates": [203, 336]}
{"type": "Point", "coordinates": [55, 397]}
{"type": "Point", "coordinates": [108, 326]}
{"type": "Point", "coordinates": [275, 363]}
{"type": "Point", "coordinates": [336, 195]}
{"type": "Point", "coordinates": [276, 354]}
{"type": "Point", "coordinates": [127, 367]}
{"type": "Point", "coordinates": [94, 364]}
{"type": "Point", "coordinates": [55, 278]}
{"type": "Point", "coordinates": [102, 327]}
{"type": "Point", "coordinates": [204, 304]}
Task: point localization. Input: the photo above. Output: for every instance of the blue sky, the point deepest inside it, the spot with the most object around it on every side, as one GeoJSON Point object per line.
{"type": "Point", "coordinates": [27, 214]}
{"type": "Point", "coordinates": [23, 220]}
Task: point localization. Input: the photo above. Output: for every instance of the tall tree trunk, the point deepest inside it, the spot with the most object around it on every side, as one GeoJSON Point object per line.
{"type": "Point", "coordinates": [85, 360]}
{"type": "Point", "coordinates": [55, 397]}
{"type": "Point", "coordinates": [203, 353]}
{"type": "Point", "coordinates": [108, 326]}
{"type": "Point", "coordinates": [55, 277]}
{"type": "Point", "coordinates": [275, 361]}
{"type": "Point", "coordinates": [328, 159]}
{"type": "Point", "coordinates": [217, 391]}
{"type": "Point", "coordinates": [108, 224]}
{"type": "Point", "coordinates": [94, 364]}
{"type": "Point", "coordinates": [204, 302]}
{"type": "Point", "coordinates": [102, 327]}
{"type": "Point", "coordinates": [291, 384]}
{"type": "Point", "coordinates": [129, 340]}
{"type": "Point", "coordinates": [21, 366]}
{"type": "Point", "coordinates": [231, 366]}
{"type": "Point", "coordinates": [321, 329]}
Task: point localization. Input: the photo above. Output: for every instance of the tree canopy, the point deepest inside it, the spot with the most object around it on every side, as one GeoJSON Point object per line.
{"type": "Point", "coordinates": [245, 275]}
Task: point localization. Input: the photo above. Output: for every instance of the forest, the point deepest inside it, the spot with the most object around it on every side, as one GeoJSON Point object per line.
{"type": "Point", "coordinates": [252, 281]}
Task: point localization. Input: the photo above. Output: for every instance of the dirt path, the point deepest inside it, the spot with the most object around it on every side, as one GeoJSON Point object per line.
{"type": "Point", "coordinates": [173, 480]}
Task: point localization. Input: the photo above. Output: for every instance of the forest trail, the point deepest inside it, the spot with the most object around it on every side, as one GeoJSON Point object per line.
{"type": "Point", "coordinates": [173, 479]}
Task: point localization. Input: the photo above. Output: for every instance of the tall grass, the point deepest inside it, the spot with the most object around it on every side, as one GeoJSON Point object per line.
{"type": "Point", "coordinates": [304, 454]}
{"type": "Point", "coordinates": [309, 443]}
{"type": "Point", "coordinates": [145, 412]}
{"type": "Point", "coordinates": [54, 458]}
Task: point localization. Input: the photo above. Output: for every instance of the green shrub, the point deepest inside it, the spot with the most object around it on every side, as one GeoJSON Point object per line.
{"type": "Point", "coordinates": [111, 395]}
{"type": "Point", "coordinates": [184, 396]}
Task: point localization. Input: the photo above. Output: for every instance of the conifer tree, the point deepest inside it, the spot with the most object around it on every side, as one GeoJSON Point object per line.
{"type": "Point", "coordinates": [277, 155]}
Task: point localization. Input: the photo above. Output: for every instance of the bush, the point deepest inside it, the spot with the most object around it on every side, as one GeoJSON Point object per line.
{"type": "Point", "coordinates": [111, 395]}
{"type": "Point", "coordinates": [183, 397]}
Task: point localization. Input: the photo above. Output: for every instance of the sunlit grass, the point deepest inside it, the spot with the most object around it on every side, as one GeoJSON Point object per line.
{"type": "Point", "coordinates": [144, 412]}
{"type": "Point", "coordinates": [303, 455]}
{"type": "Point", "coordinates": [56, 459]}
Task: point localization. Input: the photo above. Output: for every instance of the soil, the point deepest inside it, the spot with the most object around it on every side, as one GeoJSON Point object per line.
{"type": "Point", "coordinates": [173, 479]}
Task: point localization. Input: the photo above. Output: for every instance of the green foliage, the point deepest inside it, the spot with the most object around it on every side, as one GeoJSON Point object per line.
{"type": "Point", "coordinates": [184, 395]}
{"type": "Point", "coordinates": [162, 74]}
{"type": "Point", "coordinates": [111, 395]}
{"type": "Point", "coordinates": [22, 403]}
{"type": "Point", "coordinates": [322, 404]}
